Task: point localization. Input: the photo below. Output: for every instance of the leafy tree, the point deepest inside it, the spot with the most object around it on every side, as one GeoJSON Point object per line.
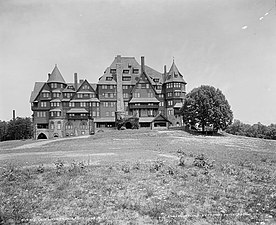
{"type": "Point", "coordinates": [20, 128]}
{"type": "Point", "coordinates": [207, 106]}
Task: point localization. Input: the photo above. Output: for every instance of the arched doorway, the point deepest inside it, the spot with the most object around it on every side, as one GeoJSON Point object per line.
{"type": "Point", "coordinates": [41, 136]}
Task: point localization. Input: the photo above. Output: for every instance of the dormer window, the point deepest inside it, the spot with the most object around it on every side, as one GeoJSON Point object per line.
{"type": "Point", "coordinates": [53, 85]}
{"type": "Point", "coordinates": [112, 71]}
{"type": "Point", "coordinates": [156, 80]}
{"type": "Point", "coordinates": [109, 78]}
{"type": "Point", "coordinates": [125, 71]}
{"type": "Point", "coordinates": [135, 71]}
{"type": "Point", "coordinates": [126, 78]}
{"type": "Point", "coordinates": [85, 87]}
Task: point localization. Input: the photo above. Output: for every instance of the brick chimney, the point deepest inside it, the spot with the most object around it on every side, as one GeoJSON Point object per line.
{"type": "Point", "coordinates": [142, 64]}
{"type": "Point", "coordinates": [75, 81]}
{"type": "Point", "coordinates": [119, 73]}
{"type": "Point", "coordinates": [165, 73]}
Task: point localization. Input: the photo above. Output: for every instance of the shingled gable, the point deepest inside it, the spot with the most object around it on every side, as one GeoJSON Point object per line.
{"type": "Point", "coordinates": [37, 88]}
{"type": "Point", "coordinates": [161, 118]}
{"type": "Point", "coordinates": [174, 75]}
{"type": "Point", "coordinates": [55, 76]}
{"type": "Point", "coordinates": [90, 88]}
{"type": "Point", "coordinates": [130, 63]}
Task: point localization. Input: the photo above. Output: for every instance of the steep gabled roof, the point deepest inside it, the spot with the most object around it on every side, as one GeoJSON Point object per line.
{"type": "Point", "coordinates": [37, 88]}
{"type": "Point", "coordinates": [130, 63]}
{"type": "Point", "coordinates": [161, 117]}
{"type": "Point", "coordinates": [56, 76]}
{"type": "Point", "coordinates": [174, 75]}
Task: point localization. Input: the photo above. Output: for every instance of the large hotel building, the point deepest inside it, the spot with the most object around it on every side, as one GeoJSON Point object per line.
{"type": "Point", "coordinates": [63, 109]}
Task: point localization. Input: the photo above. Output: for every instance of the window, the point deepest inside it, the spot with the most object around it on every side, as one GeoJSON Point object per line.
{"type": "Point", "coordinates": [93, 113]}
{"type": "Point", "coordinates": [161, 104]}
{"type": "Point", "coordinates": [106, 113]}
{"type": "Point", "coordinates": [105, 104]}
{"type": "Point", "coordinates": [94, 104]}
{"type": "Point", "coordinates": [53, 85]}
{"type": "Point", "coordinates": [83, 125]}
{"type": "Point", "coordinates": [135, 71]}
{"type": "Point", "coordinates": [150, 103]}
{"type": "Point", "coordinates": [156, 80]}
{"type": "Point", "coordinates": [45, 94]}
{"type": "Point", "coordinates": [109, 78]}
{"type": "Point", "coordinates": [85, 87]}
{"type": "Point", "coordinates": [111, 86]}
{"type": "Point", "coordinates": [83, 104]}
{"type": "Point", "coordinates": [125, 71]}
{"type": "Point", "coordinates": [125, 86]}
{"type": "Point", "coordinates": [150, 112]}
{"type": "Point", "coordinates": [55, 104]}
{"type": "Point", "coordinates": [112, 70]}
{"type": "Point", "coordinates": [177, 94]}
{"type": "Point", "coordinates": [111, 95]}
{"type": "Point", "coordinates": [126, 79]}
{"type": "Point", "coordinates": [158, 87]}
{"type": "Point", "coordinates": [170, 112]}
{"type": "Point", "coordinates": [150, 95]}
{"type": "Point", "coordinates": [169, 94]}
{"type": "Point", "coordinates": [82, 114]}
{"type": "Point", "coordinates": [58, 114]}
{"type": "Point", "coordinates": [147, 85]}
{"type": "Point", "coordinates": [125, 95]}
{"type": "Point", "coordinates": [104, 86]}
{"type": "Point", "coordinates": [71, 104]}
{"type": "Point", "coordinates": [56, 95]}
{"type": "Point", "coordinates": [105, 95]}
{"type": "Point", "coordinates": [136, 95]}
{"type": "Point", "coordinates": [98, 114]}
{"type": "Point", "coordinates": [69, 126]}
{"type": "Point", "coordinates": [43, 104]}
{"type": "Point", "coordinates": [126, 104]}
{"type": "Point", "coordinates": [112, 113]}
{"type": "Point", "coordinates": [170, 103]}
{"type": "Point", "coordinates": [52, 125]}
{"type": "Point", "coordinates": [112, 104]}
{"type": "Point", "coordinates": [58, 125]}
{"type": "Point", "coordinates": [41, 114]}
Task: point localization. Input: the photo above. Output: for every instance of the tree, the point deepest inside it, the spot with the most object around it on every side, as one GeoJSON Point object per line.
{"type": "Point", "coordinates": [207, 106]}
{"type": "Point", "coordinates": [20, 128]}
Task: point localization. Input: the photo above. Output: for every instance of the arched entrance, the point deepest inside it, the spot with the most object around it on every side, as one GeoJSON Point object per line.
{"type": "Point", "coordinates": [41, 136]}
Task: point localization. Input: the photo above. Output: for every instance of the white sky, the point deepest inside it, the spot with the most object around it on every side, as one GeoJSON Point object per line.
{"type": "Point", "coordinates": [216, 42]}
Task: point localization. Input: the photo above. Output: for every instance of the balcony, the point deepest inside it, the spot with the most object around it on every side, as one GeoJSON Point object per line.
{"type": "Point", "coordinates": [77, 117]}
{"type": "Point", "coordinates": [143, 106]}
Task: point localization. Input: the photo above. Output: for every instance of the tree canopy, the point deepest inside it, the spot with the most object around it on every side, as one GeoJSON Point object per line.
{"type": "Point", "coordinates": [207, 107]}
{"type": "Point", "coordinates": [20, 128]}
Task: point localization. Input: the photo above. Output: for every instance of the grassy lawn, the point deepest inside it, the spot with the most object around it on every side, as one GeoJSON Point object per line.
{"type": "Point", "coordinates": [139, 177]}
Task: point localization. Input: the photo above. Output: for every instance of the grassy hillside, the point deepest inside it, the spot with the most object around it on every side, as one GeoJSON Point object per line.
{"type": "Point", "coordinates": [139, 177]}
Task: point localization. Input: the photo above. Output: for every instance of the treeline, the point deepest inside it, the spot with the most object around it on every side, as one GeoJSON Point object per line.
{"type": "Point", "coordinates": [256, 130]}
{"type": "Point", "coordinates": [20, 128]}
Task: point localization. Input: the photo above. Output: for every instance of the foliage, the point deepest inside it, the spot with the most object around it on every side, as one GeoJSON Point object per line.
{"type": "Point", "coordinates": [20, 128]}
{"type": "Point", "coordinates": [256, 130]}
{"type": "Point", "coordinates": [207, 106]}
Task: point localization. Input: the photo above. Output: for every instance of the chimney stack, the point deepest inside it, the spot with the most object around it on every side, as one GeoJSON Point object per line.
{"type": "Point", "coordinates": [75, 81]}
{"type": "Point", "coordinates": [13, 115]}
{"type": "Point", "coordinates": [142, 64]}
{"type": "Point", "coordinates": [49, 75]}
{"type": "Point", "coordinates": [165, 73]}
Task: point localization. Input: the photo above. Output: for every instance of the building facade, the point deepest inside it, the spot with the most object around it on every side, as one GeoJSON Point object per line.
{"type": "Point", "coordinates": [63, 109]}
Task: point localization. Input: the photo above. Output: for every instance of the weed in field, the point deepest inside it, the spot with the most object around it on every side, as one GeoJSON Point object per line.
{"type": "Point", "coordinates": [59, 164]}
{"type": "Point", "coordinates": [40, 169]}
{"type": "Point", "coordinates": [156, 165]}
{"type": "Point", "coordinates": [125, 168]}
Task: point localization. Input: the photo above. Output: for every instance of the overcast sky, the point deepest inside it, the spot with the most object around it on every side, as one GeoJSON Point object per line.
{"type": "Point", "coordinates": [216, 42]}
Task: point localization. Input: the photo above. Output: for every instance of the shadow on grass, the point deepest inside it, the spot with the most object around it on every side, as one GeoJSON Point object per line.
{"type": "Point", "coordinates": [198, 132]}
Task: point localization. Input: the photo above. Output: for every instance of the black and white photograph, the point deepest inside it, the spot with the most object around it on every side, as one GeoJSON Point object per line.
{"type": "Point", "coordinates": [137, 112]}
